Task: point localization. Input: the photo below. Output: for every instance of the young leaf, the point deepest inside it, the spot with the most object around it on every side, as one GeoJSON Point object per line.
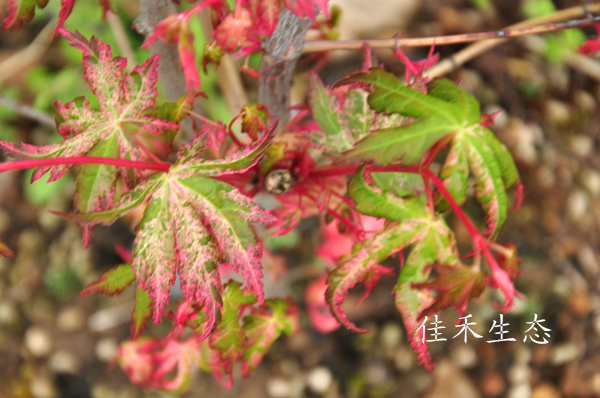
{"type": "Point", "coordinates": [112, 282]}
{"type": "Point", "coordinates": [227, 341]}
{"type": "Point", "coordinates": [263, 326]}
{"type": "Point", "coordinates": [142, 311]}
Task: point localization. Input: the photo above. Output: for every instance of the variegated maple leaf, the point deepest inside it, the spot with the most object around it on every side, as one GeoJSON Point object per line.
{"type": "Point", "coordinates": [125, 100]}
{"type": "Point", "coordinates": [192, 224]}
{"type": "Point", "coordinates": [20, 11]}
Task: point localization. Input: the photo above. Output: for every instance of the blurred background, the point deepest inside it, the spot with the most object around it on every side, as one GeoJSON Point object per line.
{"type": "Point", "coordinates": [54, 344]}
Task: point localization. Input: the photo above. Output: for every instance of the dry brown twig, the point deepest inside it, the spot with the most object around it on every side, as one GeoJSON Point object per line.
{"type": "Point", "coordinates": [484, 41]}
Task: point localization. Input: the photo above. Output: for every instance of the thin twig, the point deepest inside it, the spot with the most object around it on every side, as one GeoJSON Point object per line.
{"type": "Point", "coordinates": [28, 56]}
{"type": "Point", "coordinates": [543, 24]}
{"type": "Point", "coordinates": [445, 40]}
{"type": "Point", "coordinates": [28, 111]}
{"type": "Point", "coordinates": [460, 58]}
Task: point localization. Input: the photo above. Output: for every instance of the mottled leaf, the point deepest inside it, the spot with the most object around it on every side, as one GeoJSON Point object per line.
{"type": "Point", "coordinates": [362, 265]}
{"type": "Point", "coordinates": [435, 245]}
{"type": "Point", "coordinates": [21, 11]}
{"type": "Point", "coordinates": [263, 326]}
{"type": "Point", "coordinates": [112, 282]}
{"type": "Point", "coordinates": [124, 101]}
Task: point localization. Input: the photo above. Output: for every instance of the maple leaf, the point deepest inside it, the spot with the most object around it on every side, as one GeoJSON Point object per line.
{"type": "Point", "coordinates": [474, 149]}
{"type": "Point", "coordinates": [344, 123]}
{"type": "Point", "coordinates": [413, 224]}
{"type": "Point", "coordinates": [21, 11]}
{"type": "Point", "coordinates": [436, 117]}
{"type": "Point", "coordinates": [265, 15]}
{"type": "Point", "coordinates": [124, 102]}
{"type": "Point", "coordinates": [263, 326]}
{"type": "Point", "coordinates": [5, 250]}
{"type": "Point", "coordinates": [112, 282]}
{"type": "Point", "coordinates": [455, 284]}
{"type": "Point", "coordinates": [227, 341]}
{"type": "Point", "coordinates": [444, 110]}
{"type": "Point", "coordinates": [164, 364]}
{"type": "Point", "coordinates": [191, 224]}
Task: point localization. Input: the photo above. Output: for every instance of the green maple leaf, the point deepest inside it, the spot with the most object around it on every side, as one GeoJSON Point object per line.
{"type": "Point", "coordinates": [435, 116]}
{"type": "Point", "coordinates": [344, 123]}
{"type": "Point", "coordinates": [444, 110]}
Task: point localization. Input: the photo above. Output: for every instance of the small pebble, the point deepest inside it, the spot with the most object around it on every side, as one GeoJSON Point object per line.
{"type": "Point", "coordinates": [492, 384]}
{"type": "Point", "coordinates": [584, 100]}
{"type": "Point", "coordinates": [404, 358]}
{"type": "Point", "coordinates": [38, 342]}
{"type": "Point", "coordinates": [564, 353]}
{"type": "Point", "coordinates": [518, 374]}
{"type": "Point", "coordinates": [279, 388]}
{"type": "Point", "coordinates": [391, 335]}
{"type": "Point", "coordinates": [464, 356]}
{"type": "Point", "coordinates": [558, 112]}
{"type": "Point", "coordinates": [582, 145]}
{"type": "Point", "coordinates": [520, 391]}
{"type": "Point", "coordinates": [319, 379]}
{"type": "Point", "coordinates": [70, 319]}
{"type": "Point", "coordinates": [590, 179]}
{"type": "Point", "coordinates": [63, 362]}
{"type": "Point", "coordinates": [42, 387]}
{"type": "Point", "coordinates": [577, 204]}
{"type": "Point", "coordinates": [588, 260]}
{"type": "Point", "coordinates": [8, 314]}
{"type": "Point", "coordinates": [106, 349]}
{"type": "Point", "coordinates": [545, 390]}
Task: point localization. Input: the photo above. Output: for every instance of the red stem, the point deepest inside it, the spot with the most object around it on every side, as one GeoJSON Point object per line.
{"type": "Point", "coordinates": [473, 231]}
{"type": "Point", "coordinates": [33, 163]}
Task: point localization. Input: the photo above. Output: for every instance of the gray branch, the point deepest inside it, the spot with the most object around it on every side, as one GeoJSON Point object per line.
{"type": "Point", "coordinates": [281, 51]}
{"type": "Point", "coordinates": [170, 73]}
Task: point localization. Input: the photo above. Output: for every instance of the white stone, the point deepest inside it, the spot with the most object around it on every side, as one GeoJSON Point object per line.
{"type": "Point", "coordinates": [564, 353]}
{"type": "Point", "coordinates": [63, 362]}
{"type": "Point", "coordinates": [106, 349]}
{"type": "Point", "coordinates": [390, 335]}
{"type": "Point", "coordinates": [577, 204]}
{"type": "Point", "coordinates": [319, 379]}
{"type": "Point", "coordinates": [70, 319]}
{"type": "Point", "coordinates": [38, 342]}
{"type": "Point", "coordinates": [42, 387]}
{"type": "Point", "coordinates": [279, 388]}
{"type": "Point", "coordinates": [520, 391]}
